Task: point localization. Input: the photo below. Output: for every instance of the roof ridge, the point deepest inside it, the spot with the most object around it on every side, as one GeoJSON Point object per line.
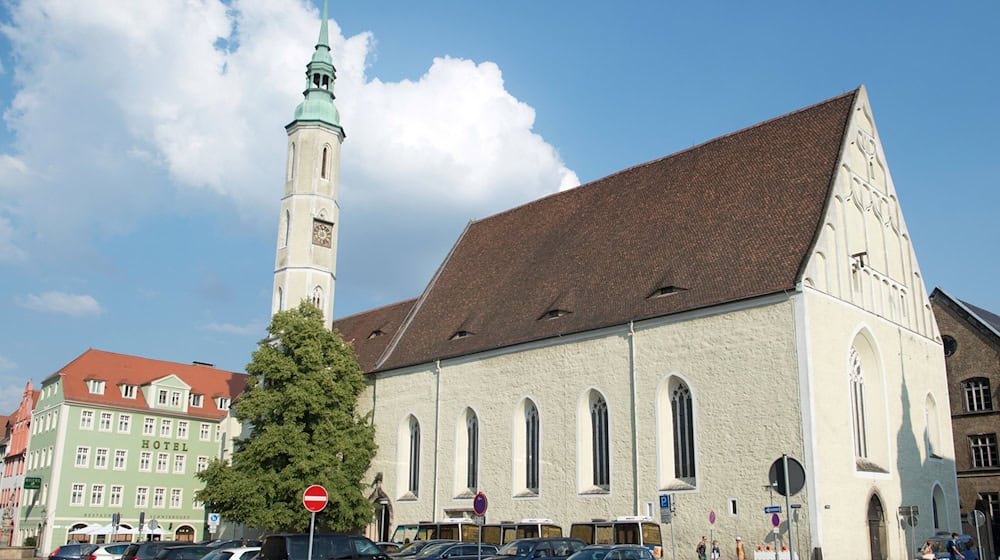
{"type": "Point", "coordinates": [674, 154]}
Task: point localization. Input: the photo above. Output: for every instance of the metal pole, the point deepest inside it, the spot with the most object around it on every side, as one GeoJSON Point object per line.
{"type": "Point", "coordinates": [788, 502]}
{"type": "Point", "coordinates": [312, 528]}
{"type": "Point", "coordinates": [479, 549]}
{"type": "Point", "coordinates": [979, 544]}
{"type": "Point", "coordinates": [673, 541]}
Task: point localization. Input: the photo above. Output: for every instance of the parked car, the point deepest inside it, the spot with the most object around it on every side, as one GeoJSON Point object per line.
{"type": "Point", "coordinates": [112, 551]}
{"type": "Point", "coordinates": [613, 552]}
{"type": "Point", "coordinates": [326, 546]}
{"type": "Point", "coordinates": [553, 547]}
{"type": "Point", "coordinates": [182, 552]}
{"type": "Point", "coordinates": [389, 547]}
{"type": "Point", "coordinates": [72, 551]}
{"type": "Point", "coordinates": [411, 549]}
{"type": "Point", "coordinates": [235, 553]}
{"type": "Point", "coordinates": [233, 543]}
{"type": "Point", "coordinates": [456, 551]}
{"type": "Point", "coordinates": [966, 545]}
{"type": "Point", "coordinates": [147, 550]}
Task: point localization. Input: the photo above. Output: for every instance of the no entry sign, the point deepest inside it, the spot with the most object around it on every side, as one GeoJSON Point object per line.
{"type": "Point", "coordinates": [314, 498]}
{"type": "Point", "coordinates": [479, 503]}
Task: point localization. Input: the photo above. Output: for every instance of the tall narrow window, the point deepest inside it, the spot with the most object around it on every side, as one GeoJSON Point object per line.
{"type": "Point", "coordinates": [414, 482]}
{"type": "Point", "coordinates": [286, 228]}
{"type": "Point", "coordinates": [472, 430]}
{"type": "Point", "coordinates": [599, 435]}
{"type": "Point", "coordinates": [326, 156]}
{"type": "Point", "coordinates": [531, 446]}
{"type": "Point", "coordinates": [977, 394]}
{"type": "Point", "coordinates": [858, 411]}
{"type": "Point", "coordinates": [683, 424]}
{"type": "Point", "coordinates": [317, 297]}
{"type": "Point", "coordinates": [291, 161]}
{"type": "Point", "coordinates": [984, 450]}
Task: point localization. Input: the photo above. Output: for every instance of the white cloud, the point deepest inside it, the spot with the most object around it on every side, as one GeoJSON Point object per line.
{"type": "Point", "coordinates": [11, 393]}
{"type": "Point", "coordinates": [59, 302]}
{"type": "Point", "coordinates": [254, 328]}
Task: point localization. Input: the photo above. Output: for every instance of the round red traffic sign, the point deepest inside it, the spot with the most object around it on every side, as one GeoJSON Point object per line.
{"type": "Point", "coordinates": [479, 503]}
{"type": "Point", "coordinates": [711, 516]}
{"type": "Point", "coordinates": [775, 519]}
{"type": "Point", "coordinates": [314, 498]}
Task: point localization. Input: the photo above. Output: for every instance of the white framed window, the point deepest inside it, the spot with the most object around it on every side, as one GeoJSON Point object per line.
{"type": "Point", "coordinates": [195, 400]}
{"type": "Point", "coordinates": [162, 462]}
{"type": "Point", "coordinates": [182, 429]}
{"type": "Point", "coordinates": [145, 461]}
{"type": "Point", "coordinates": [984, 450]}
{"type": "Point", "coordinates": [218, 433]}
{"type": "Point", "coordinates": [203, 432]}
{"type": "Point", "coordinates": [76, 494]}
{"type": "Point", "coordinates": [180, 462]}
{"type": "Point", "coordinates": [176, 498]}
{"type": "Point", "coordinates": [159, 494]}
{"type": "Point", "coordinates": [86, 420]}
{"type": "Point", "coordinates": [105, 423]}
{"type": "Point", "coordinates": [175, 398]}
{"type": "Point", "coordinates": [95, 386]}
{"type": "Point", "coordinates": [161, 396]}
{"type": "Point", "coordinates": [121, 459]}
{"type": "Point", "coordinates": [97, 495]}
{"type": "Point", "coordinates": [128, 391]}
{"type": "Point", "coordinates": [141, 496]}
{"type": "Point", "coordinates": [978, 396]}
{"type": "Point", "coordinates": [115, 495]}
{"type": "Point", "coordinates": [166, 427]}
{"type": "Point", "coordinates": [101, 458]}
{"type": "Point", "coordinates": [202, 463]}
{"type": "Point", "coordinates": [82, 456]}
{"type": "Point", "coordinates": [222, 403]}
{"type": "Point", "coordinates": [124, 423]}
{"type": "Point", "coordinates": [148, 426]}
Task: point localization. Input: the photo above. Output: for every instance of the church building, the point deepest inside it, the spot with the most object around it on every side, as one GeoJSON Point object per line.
{"type": "Point", "coordinates": [673, 328]}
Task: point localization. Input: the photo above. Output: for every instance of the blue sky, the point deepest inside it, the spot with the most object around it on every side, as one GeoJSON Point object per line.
{"type": "Point", "coordinates": [142, 144]}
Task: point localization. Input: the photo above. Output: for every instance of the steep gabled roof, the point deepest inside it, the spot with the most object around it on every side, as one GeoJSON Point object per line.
{"type": "Point", "coordinates": [370, 332]}
{"type": "Point", "coordinates": [117, 369]}
{"type": "Point", "coordinates": [984, 321]}
{"type": "Point", "coordinates": [726, 220]}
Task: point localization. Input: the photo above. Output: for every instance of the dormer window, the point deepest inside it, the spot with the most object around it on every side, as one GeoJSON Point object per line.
{"type": "Point", "coordinates": [222, 403]}
{"type": "Point", "coordinates": [195, 400]}
{"type": "Point", "coordinates": [175, 398]}
{"type": "Point", "coordinates": [460, 334]}
{"type": "Point", "coordinates": [161, 397]}
{"type": "Point", "coordinates": [554, 314]}
{"type": "Point", "coordinates": [375, 333]}
{"type": "Point", "coordinates": [128, 391]}
{"type": "Point", "coordinates": [95, 386]}
{"type": "Point", "coordinates": [667, 291]}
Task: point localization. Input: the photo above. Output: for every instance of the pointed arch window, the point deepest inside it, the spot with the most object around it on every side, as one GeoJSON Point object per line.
{"type": "Point", "coordinates": [858, 411]}
{"type": "Point", "coordinates": [600, 446]}
{"type": "Point", "coordinates": [317, 297]}
{"type": "Point", "coordinates": [683, 426]}
{"type": "Point", "coordinates": [326, 162]}
{"type": "Point", "coordinates": [414, 472]}
{"type": "Point", "coordinates": [286, 228]}
{"type": "Point", "coordinates": [531, 446]}
{"type": "Point", "coordinates": [472, 451]}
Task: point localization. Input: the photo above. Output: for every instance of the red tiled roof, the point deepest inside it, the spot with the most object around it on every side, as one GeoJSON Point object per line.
{"type": "Point", "coordinates": [726, 220]}
{"type": "Point", "coordinates": [117, 369]}
{"type": "Point", "coordinates": [370, 332]}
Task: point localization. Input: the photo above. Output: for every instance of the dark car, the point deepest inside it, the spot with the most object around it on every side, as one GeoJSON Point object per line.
{"type": "Point", "coordinates": [147, 550]}
{"type": "Point", "coordinates": [411, 549]}
{"type": "Point", "coordinates": [326, 546]}
{"type": "Point", "coordinates": [554, 547]}
{"type": "Point", "coordinates": [72, 551]}
{"type": "Point", "coordinates": [456, 551]}
{"type": "Point", "coordinates": [613, 552]}
{"type": "Point", "coordinates": [182, 552]}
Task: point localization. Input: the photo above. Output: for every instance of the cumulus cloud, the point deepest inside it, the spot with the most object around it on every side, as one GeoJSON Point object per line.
{"type": "Point", "coordinates": [253, 328]}
{"type": "Point", "coordinates": [136, 110]}
{"type": "Point", "coordinates": [59, 302]}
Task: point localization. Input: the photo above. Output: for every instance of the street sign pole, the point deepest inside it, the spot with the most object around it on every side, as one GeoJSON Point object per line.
{"type": "Point", "coordinates": [788, 501]}
{"type": "Point", "coordinates": [314, 499]}
{"type": "Point", "coordinates": [673, 541]}
{"type": "Point", "coordinates": [312, 529]}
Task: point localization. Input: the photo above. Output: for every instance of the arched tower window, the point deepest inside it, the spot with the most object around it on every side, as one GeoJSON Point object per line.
{"type": "Point", "coordinates": [317, 297]}
{"type": "Point", "coordinates": [599, 438]}
{"type": "Point", "coordinates": [286, 228]}
{"type": "Point", "coordinates": [414, 456]}
{"type": "Point", "coordinates": [279, 300]}
{"type": "Point", "coordinates": [291, 161]}
{"type": "Point", "coordinates": [325, 163]}
{"type": "Point", "coordinates": [531, 446]}
{"type": "Point", "coordinates": [858, 410]}
{"type": "Point", "coordinates": [683, 430]}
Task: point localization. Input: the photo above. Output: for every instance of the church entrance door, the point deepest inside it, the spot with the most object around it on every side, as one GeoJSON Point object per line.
{"type": "Point", "coordinates": [876, 529]}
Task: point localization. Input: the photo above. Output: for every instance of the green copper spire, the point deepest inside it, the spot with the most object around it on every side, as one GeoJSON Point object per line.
{"type": "Point", "coordinates": [320, 75]}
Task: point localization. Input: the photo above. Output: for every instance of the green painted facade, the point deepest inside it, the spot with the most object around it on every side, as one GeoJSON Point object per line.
{"type": "Point", "coordinates": [96, 460]}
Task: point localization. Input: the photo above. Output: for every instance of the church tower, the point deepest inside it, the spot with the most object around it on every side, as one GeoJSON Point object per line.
{"type": "Point", "coordinates": [305, 264]}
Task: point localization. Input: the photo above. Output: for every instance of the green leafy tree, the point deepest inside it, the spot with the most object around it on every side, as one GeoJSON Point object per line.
{"type": "Point", "coordinates": [301, 404]}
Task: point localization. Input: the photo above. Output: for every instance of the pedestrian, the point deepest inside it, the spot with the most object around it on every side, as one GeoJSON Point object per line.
{"type": "Point", "coordinates": [716, 551]}
{"type": "Point", "coordinates": [702, 548]}
{"type": "Point", "coordinates": [952, 548]}
{"type": "Point", "coordinates": [740, 555]}
{"type": "Point", "coordinates": [927, 552]}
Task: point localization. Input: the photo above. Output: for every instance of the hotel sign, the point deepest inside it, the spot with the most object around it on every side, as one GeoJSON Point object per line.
{"type": "Point", "coordinates": [32, 483]}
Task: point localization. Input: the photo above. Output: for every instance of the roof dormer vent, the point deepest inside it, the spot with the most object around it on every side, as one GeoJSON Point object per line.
{"type": "Point", "coordinates": [460, 334]}
{"type": "Point", "coordinates": [667, 291]}
{"type": "Point", "coordinates": [554, 314]}
{"type": "Point", "coordinates": [375, 333]}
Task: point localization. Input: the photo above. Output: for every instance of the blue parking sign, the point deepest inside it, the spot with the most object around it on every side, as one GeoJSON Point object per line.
{"type": "Point", "coordinates": [664, 501]}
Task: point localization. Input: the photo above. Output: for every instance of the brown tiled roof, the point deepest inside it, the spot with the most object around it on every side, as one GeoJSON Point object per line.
{"type": "Point", "coordinates": [726, 220]}
{"type": "Point", "coordinates": [370, 332]}
{"type": "Point", "coordinates": [115, 369]}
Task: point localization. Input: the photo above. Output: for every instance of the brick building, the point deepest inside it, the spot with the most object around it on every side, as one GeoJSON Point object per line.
{"type": "Point", "coordinates": [971, 340]}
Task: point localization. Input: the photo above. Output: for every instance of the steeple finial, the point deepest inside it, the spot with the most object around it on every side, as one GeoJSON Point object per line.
{"type": "Point", "coordinates": [320, 77]}
{"type": "Point", "coordinates": [324, 37]}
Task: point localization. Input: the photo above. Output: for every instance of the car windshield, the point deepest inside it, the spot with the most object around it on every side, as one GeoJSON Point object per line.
{"type": "Point", "coordinates": [516, 548]}
{"type": "Point", "coordinates": [432, 549]}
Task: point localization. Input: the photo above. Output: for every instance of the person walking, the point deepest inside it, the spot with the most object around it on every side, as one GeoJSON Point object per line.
{"type": "Point", "coordinates": [716, 551]}
{"type": "Point", "coordinates": [927, 552]}
{"type": "Point", "coordinates": [740, 555]}
{"type": "Point", "coordinates": [952, 547]}
{"type": "Point", "coordinates": [702, 548]}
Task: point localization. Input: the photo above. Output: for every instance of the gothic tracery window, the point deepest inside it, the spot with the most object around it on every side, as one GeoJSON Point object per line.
{"type": "Point", "coordinates": [600, 444]}
{"type": "Point", "coordinates": [531, 446]}
{"type": "Point", "coordinates": [683, 425]}
{"type": "Point", "coordinates": [858, 411]}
